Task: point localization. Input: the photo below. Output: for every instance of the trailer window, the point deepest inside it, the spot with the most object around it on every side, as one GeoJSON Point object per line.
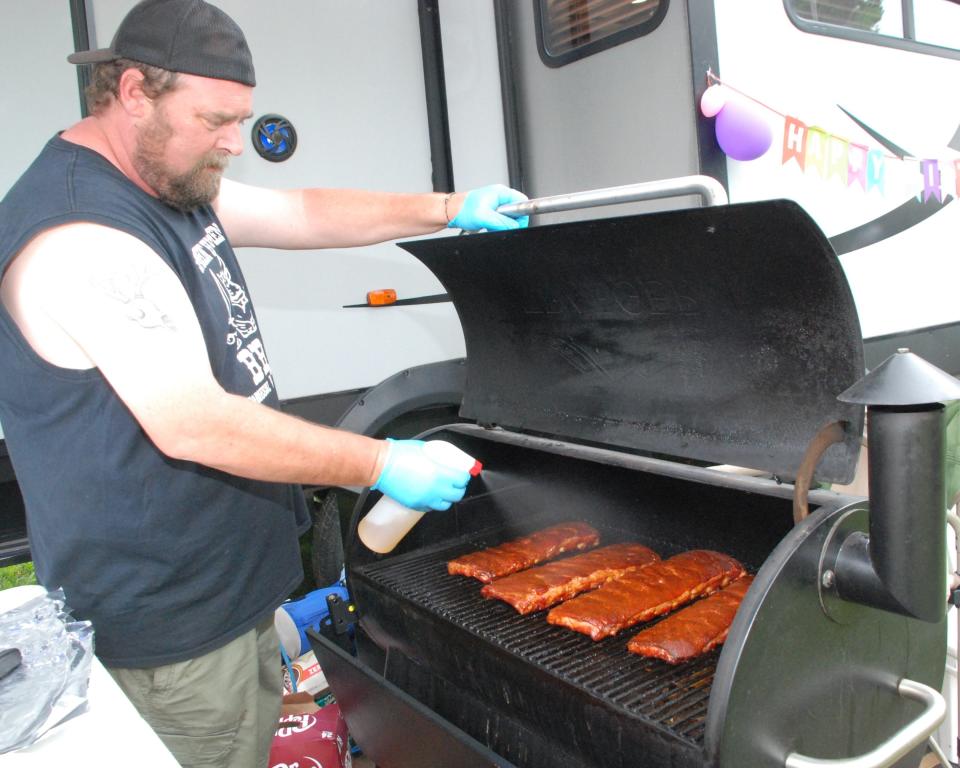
{"type": "Point", "coordinates": [899, 23]}
{"type": "Point", "coordinates": [568, 30]}
{"type": "Point", "coordinates": [937, 22]}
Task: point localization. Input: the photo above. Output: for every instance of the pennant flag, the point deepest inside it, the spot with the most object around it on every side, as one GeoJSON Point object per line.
{"type": "Point", "coordinates": [857, 166]}
{"type": "Point", "coordinates": [930, 169]}
{"type": "Point", "coordinates": [838, 159]}
{"type": "Point", "coordinates": [816, 154]}
{"type": "Point", "coordinates": [794, 140]}
{"type": "Point", "coordinates": [875, 169]}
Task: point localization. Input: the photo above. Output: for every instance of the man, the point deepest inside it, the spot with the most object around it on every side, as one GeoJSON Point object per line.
{"type": "Point", "coordinates": [138, 404]}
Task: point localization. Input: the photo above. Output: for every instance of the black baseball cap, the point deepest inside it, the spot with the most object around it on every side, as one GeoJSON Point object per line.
{"type": "Point", "coordinates": [189, 36]}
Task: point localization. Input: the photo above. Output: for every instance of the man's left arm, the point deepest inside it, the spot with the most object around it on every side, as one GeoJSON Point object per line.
{"type": "Point", "coordinates": [341, 218]}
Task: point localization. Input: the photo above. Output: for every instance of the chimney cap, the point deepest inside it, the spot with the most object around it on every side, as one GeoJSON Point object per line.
{"type": "Point", "coordinates": [903, 379]}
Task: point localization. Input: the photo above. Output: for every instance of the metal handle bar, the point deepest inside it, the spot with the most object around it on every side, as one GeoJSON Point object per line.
{"type": "Point", "coordinates": [709, 189]}
{"type": "Point", "coordinates": [908, 737]}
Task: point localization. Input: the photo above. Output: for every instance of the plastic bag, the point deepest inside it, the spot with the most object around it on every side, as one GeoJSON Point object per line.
{"type": "Point", "coordinates": [50, 685]}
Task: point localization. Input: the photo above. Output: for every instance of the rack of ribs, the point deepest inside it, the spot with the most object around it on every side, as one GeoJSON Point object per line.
{"type": "Point", "coordinates": [512, 556]}
{"type": "Point", "coordinates": [645, 594]}
{"type": "Point", "coordinates": [539, 588]}
{"type": "Point", "coordinates": [696, 629]}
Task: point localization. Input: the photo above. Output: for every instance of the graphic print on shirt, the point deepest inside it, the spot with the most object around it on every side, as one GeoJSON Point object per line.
{"type": "Point", "coordinates": [242, 334]}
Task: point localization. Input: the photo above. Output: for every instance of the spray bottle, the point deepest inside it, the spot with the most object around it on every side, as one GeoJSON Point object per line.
{"type": "Point", "coordinates": [389, 521]}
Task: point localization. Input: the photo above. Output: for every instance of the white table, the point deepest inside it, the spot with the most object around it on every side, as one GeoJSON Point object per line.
{"type": "Point", "coordinates": [109, 734]}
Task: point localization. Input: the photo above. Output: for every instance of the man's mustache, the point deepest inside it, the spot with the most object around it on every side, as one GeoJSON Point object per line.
{"type": "Point", "coordinates": [216, 160]}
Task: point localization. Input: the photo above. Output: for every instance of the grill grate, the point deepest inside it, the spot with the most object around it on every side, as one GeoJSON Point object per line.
{"type": "Point", "coordinates": [674, 698]}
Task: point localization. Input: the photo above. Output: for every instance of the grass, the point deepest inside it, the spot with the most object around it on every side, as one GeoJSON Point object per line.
{"type": "Point", "coordinates": [17, 576]}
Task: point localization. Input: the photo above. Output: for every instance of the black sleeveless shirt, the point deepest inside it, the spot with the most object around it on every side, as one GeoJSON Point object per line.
{"type": "Point", "coordinates": [169, 559]}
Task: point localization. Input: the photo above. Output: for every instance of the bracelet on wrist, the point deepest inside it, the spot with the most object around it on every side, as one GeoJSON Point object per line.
{"type": "Point", "coordinates": [446, 200]}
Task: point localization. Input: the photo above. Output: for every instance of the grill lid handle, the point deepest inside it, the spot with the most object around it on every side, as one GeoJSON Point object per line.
{"type": "Point", "coordinates": [886, 754]}
{"type": "Point", "coordinates": [709, 189]}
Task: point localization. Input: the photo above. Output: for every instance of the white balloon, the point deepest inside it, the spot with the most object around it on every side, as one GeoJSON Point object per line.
{"type": "Point", "coordinates": [713, 100]}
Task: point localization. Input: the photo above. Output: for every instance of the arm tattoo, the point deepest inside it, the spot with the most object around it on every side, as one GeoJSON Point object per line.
{"type": "Point", "coordinates": [128, 288]}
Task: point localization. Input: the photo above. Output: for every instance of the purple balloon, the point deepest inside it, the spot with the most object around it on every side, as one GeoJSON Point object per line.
{"type": "Point", "coordinates": [742, 132]}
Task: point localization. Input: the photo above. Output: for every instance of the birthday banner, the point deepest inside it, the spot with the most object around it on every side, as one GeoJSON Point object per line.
{"type": "Point", "coordinates": [744, 134]}
{"type": "Point", "coordinates": [834, 157]}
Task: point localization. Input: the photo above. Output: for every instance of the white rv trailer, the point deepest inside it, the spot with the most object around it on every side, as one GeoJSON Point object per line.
{"type": "Point", "coordinates": [439, 94]}
{"type": "Point", "coordinates": [552, 96]}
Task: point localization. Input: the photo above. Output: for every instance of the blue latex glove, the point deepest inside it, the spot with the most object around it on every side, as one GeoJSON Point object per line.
{"type": "Point", "coordinates": [479, 210]}
{"type": "Point", "coordinates": [415, 480]}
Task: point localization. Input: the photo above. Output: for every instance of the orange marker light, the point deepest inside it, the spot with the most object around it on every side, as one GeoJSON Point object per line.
{"type": "Point", "coordinates": [381, 298]}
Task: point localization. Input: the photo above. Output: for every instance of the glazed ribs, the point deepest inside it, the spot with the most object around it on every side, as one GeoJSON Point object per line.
{"type": "Point", "coordinates": [696, 629]}
{"type": "Point", "coordinates": [512, 556]}
{"type": "Point", "coordinates": [645, 594]}
{"type": "Point", "coordinates": [539, 588]}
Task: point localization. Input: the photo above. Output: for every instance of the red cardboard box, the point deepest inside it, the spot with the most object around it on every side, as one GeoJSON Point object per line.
{"type": "Point", "coordinates": [311, 740]}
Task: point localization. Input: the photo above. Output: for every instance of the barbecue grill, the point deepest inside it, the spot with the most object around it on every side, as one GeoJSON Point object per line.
{"type": "Point", "coordinates": [613, 364]}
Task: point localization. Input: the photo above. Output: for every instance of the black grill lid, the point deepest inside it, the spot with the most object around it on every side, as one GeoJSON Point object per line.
{"type": "Point", "coordinates": [719, 334]}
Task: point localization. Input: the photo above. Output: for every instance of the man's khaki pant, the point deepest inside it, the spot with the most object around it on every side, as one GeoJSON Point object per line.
{"type": "Point", "coordinates": [217, 710]}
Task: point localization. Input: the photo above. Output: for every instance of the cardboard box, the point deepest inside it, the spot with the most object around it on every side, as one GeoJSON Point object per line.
{"type": "Point", "coordinates": [307, 675]}
{"type": "Point", "coordinates": [317, 738]}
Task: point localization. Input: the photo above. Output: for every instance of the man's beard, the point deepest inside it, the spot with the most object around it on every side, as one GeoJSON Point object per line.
{"type": "Point", "coordinates": [186, 191]}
